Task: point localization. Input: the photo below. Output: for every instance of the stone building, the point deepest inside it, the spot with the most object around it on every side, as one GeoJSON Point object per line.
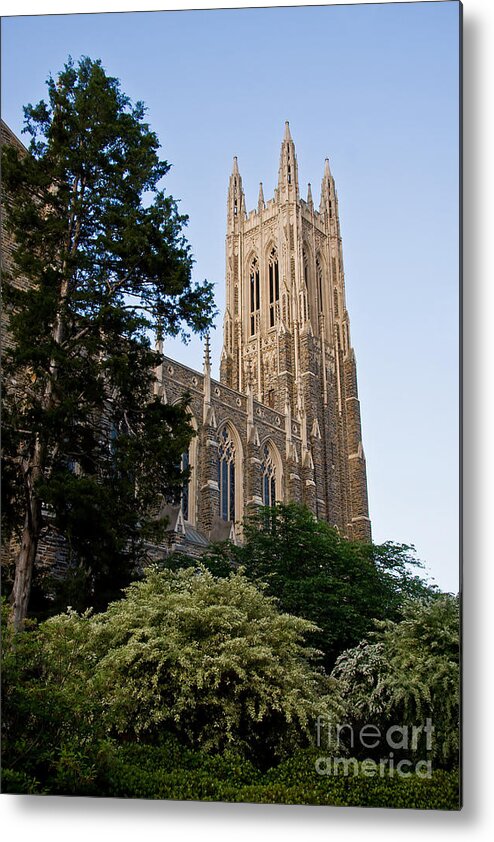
{"type": "Point", "coordinates": [283, 422]}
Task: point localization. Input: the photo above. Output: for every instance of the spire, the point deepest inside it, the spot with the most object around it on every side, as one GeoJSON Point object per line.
{"type": "Point", "coordinates": [288, 172]}
{"type": "Point", "coordinates": [236, 198]}
{"type": "Point", "coordinates": [207, 356]}
{"type": "Point", "coordinates": [208, 412]}
{"type": "Point", "coordinates": [327, 190]}
{"type": "Point", "coordinates": [260, 201]}
{"type": "Point", "coordinates": [309, 196]}
{"type": "Point", "coordinates": [158, 345]}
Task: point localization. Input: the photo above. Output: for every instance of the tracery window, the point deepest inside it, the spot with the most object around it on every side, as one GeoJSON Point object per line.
{"type": "Point", "coordinates": [274, 286]}
{"type": "Point", "coordinates": [254, 295]}
{"type": "Point", "coordinates": [184, 464]}
{"type": "Point", "coordinates": [304, 295]}
{"type": "Point", "coordinates": [226, 475]}
{"type": "Point", "coordinates": [268, 470]}
{"type": "Point", "coordinates": [319, 283]}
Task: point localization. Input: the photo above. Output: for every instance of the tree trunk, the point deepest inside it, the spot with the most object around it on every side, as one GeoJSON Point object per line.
{"type": "Point", "coordinates": [19, 598]}
{"type": "Point", "coordinates": [24, 567]}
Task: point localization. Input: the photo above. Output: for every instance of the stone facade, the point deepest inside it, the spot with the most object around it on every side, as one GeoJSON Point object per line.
{"type": "Point", "coordinates": [7, 138]}
{"type": "Point", "coordinates": [283, 422]}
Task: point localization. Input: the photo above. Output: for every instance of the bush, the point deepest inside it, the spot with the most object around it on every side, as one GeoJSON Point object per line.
{"type": "Point", "coordinates": [409, 672]}
{"type": "Point", "coordinates": [212, 660]}
{"type": "Point", "coordinates": [341, 586]}
{"type": "Point", "coordinates": [173, 772]}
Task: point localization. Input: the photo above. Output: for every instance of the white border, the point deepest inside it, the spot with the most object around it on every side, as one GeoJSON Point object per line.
{"type": "Point", "coordinates": [55, 818]}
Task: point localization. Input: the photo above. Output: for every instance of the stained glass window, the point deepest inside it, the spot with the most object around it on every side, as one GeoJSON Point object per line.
{"type": "Point", "coordinates": [254, 295]}
{"type": "Point", "coordinates": [274, 286]}
{"type": "Point", "coordinates": [185, 493]}
{"type": "Point", "coordinates": [226, 475]}
{"type": "Point", "coordinates": [268, 478]}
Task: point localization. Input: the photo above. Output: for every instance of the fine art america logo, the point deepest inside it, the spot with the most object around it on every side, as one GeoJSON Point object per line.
{"type": "Point", "coordinates": [392, 743]}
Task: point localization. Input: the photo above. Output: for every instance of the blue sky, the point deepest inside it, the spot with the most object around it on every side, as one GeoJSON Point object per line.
{"type": "Point", "coordinates": [375, 89]}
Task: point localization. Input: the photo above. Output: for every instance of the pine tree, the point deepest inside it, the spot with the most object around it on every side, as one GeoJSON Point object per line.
{"type": "Point", "coordinates": [100, 261]}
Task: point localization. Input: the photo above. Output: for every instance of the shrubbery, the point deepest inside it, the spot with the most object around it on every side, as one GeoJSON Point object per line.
{"type": "Point", "coordinates": [408, 672]}
{"type": "Point", "coordinates": [341, 586]}
{"type": "Point", "coordinates": [170, 771]}
{"type": "Point", "coordinates": [196, 686]}
{"type": "Point", "coordinates": [210, 660]}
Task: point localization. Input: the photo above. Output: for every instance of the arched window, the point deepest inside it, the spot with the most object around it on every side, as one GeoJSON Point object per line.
{"type": "Point", "coordinates": [226, 474]}
{"type": "Point", "coordinates": [189, 489]}
{"type": "Point", "coordinates": [254, 292]}
{"type": "Point", "coordinates": [274, 286]}
{"type": "Point", "coordinates": [319, 283]}
{"type": "Point", "coordinates": [306, 269]}
{"type": "Point", "coordinates": [304, 297]}
{"type": "Point", "coordinates": [184, 464]}
{"type": "Point", "coordinates": [268, 469]}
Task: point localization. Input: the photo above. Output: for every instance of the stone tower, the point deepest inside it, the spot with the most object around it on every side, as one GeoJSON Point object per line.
{"type": "Point", "coordinates": [287, 337]}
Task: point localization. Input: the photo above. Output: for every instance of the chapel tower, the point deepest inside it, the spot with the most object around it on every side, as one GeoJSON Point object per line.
{"type": "Point", "coordinates": [287, 337]}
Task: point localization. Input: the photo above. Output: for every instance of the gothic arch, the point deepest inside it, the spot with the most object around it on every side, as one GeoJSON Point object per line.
{"type": "Point", "coordinates": [321, 282]}
{"type": "Point", "coordinates": [230, 469]}
{"type": "Point", "coordinates": [271, 461]}
{"type": "Point", "coordinates": [272, 263]}
{"type": "Point", "coordinates": [190, 459]}
{"type": "Point", "coordinates": [253, 291]}
{"type": "Point", "coordinates": [307, 290]}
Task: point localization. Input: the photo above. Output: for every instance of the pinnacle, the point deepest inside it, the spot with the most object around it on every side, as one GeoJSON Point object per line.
{"type": "Point", "coordinates": [287, 135]}
{"type": "Point", "coordinates": [260, 200]}
{"type": "Point", "coordinates": [207, 354]}
{"type": "Point", "coordinates": [327, 172]}
{"type": "Point", "coordinates": [235, 166]}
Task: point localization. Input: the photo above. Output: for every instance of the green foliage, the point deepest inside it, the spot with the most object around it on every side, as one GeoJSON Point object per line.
{"type": "Point", "coordinates": [66, 730]}
{"type": "Point", "coordinates": [339, 585]}
{"type": "Point", "coordinates": [171, 771]}
{"type": "Point", "coordinates": [210, 659]}
{"type": "Point", "coordinates": [47, 713]}
{"type": "Point", "coordinates": [408, 673]}
{"type": "Point", "coordinates": [99, 260]}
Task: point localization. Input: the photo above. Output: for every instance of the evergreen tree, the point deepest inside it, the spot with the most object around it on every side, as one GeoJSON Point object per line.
{"type": "Point", "coordinates": [100, 260]}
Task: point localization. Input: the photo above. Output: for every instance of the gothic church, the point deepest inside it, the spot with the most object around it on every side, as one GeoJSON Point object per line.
{"type": "Point", "coordinates": [283, 422]}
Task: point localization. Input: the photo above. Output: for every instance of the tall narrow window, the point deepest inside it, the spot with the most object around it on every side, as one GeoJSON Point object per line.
{"type": "Point", "coordinates": [274, 286]}
{"type": "Point", "coordinates": [226, 475]}
{"type": "Point", "coordinates": [333, 268]}
{"type": "Point", "coordinates": [254, 295]}
{"type": "Point", "coordinates": [185, 493]}
{"type": "Point", "coordinates": [268, 478]}
{"type": "Point", "coordinates": [304, 295]}
{"type": "Point", "coordinates": [335, 298]}
{"type": "Point", "coordinates": [306, 269]}
{"type": "Point", "coordinates": [319, 283]}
